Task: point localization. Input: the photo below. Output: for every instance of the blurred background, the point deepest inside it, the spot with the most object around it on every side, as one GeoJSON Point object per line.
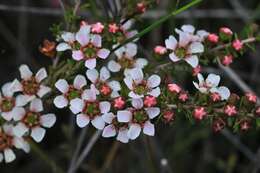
{"type": "Point", "coordinates": [178, 148]}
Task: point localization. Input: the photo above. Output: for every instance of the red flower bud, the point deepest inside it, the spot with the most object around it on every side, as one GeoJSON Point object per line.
{"type": "Point", "coordinates": [226, 31]}
{"type": "Point", "coordinates": [215, 97]}
{"type": "Point", "coordinates": [227, 60]}
{"type": "Point", "coordinates": [113, 28]}
{"type": "Point", "coordinates": [174, 88]}
{"type": "Point", "coordinates": [119, 103]}
{"type": "Point", "coordinates": [141, 7]}
{"type": "Point", "coordinates": [230, 110]}
{"type": "Point", "coordinates": [160, 50]}
{"type": "Point", "coordinates": [218, 124]}
{"type": "Point", "coordinates": [150, 101]}
{"type": "Point", "coordinates": [199, 113]}
{"type": "Point", "coordinates": [213, 38]}
{"type": "Point", "coordinates": [168, 116]}
{"type": "Point", "coordinates": [183, 96]}
{"type": "Point", "coordinates": [251, 97]}
{"type": "Point", "coordinates": [245, 125]}
{"type": "Point", "coordinates": [237, 45]}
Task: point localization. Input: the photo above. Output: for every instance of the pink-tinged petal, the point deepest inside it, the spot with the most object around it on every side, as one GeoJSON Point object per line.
{"type": "Point", "coordinates": [79, 82]}
{"type": "Point", "coordinates": [103, 53]}
{"type": "Point", "coordinates": [131, 34]}
{"type": "Point", "coordinates": [130, 50]}
{"type": "Point", "coordinates": [108, 117]}
{"type": "Point", "coordinates": [134, 131]}
{"type": "Point", "coordinates": [155, 92]}
{"type": "Point", "coordinates": [113, 66]}
{"type": "Point", "coordinates": [201, 79]}
{"type": "Point", "coordinates": [76, 105]}
{"type": "Point", "coordinates": [36, 105]}
{"type": "Point", "coordinates": [104, 74]}
{"type": "Point", "coordinates": [41, 74]}
{"type": "Point", "coordinates": [153, 81]}
{"type": "Point", "coordinates": [149, 128]}
{"type": "Point", "coordinates": [188, 28]}
{"type": "Point", "coordinates": [137, 103]}
{"type": "Point", "coordinates": [124, 116]}
{"type": "Point", "coordinates": [43, 91]}
{"type": "Point", "coordinates": [22, 100]}
{"type": "Point", "coordinates": [119, 52]}
{"type": "Point", "coordinates": [9, 155]}
{"type": "Point", "coordinates": [196, 85]}
{"type": "Point", "coordinates": [133, 95]}
{"type": "Point", "coordinates": [115, 85]}
{"type": "Point", "coordinates": [91, 63]}
{"type": "Point", "coordinates": [20, 129]}
{"type": "Point", "coordinates": [92, 75]}
{"type": "Point", "coordinates": [20, 143]}
{"type": "Point", "coordinates": [213, 80]}
{"type": "Point", "coordinates": [16, 86]}
{"type": "Point", "coordinates": [171, 43]}
{"type": "Point", "coordinates": [141, 63]}
{"type": "Point", "coordinates": [96, 40]}
{"type": "Point", "coordinates": [83, 36]}
{"type": "Point", "coordinates": [82, 120]}
{"type": "Point", "coordinates": [94, 89]}
{"type": "Point", "coordinates": [122, 136]}
{"type": "Point", "coordinates": [48, 120]}
{"type": "Point", "coordinates": [89, 95]}
{"type": "Point", "coordinates": [7, 116]}
{"type": "Point", "coordinates": [192, 60]}
{"type": "Point", "coordinates": [38, 134]}
{"type": "Point", "coordinates": [62, 47]}
{"type": "Point", "coordinates": [173, 57]}
{"type": "Point", "coordinates": [137, 75]}
{"type": "Point", "coordinates": [127, 25]}
{"type": "Point", "coordinates": [152, 112]}
{"type": "Point", "coordinates": [77, 55]}
{"type": "Point", "coordinates": [98, 123]}
{"type": "Point", "coordinates": [8, 129]}
{"type": "Point", "coordinates": [18, 113]}
{"type": "Point", "coordinates": [129, 82]}
{"type": "Point", "coordinates": [196, 47]}
{"type": "Point", "coordinates": [62, 85]}
{"type": "Point", "coordinates": [185, 39]}
{"type": "Point", "coordinates": [104, 107]}
{"type": "Point", "coordinates": [68, 37]}
{"type": "Point", "coordinates": [25, 72]}
{"type": "Point", "coordinates": [109, 131]}
{"type": "Point", "coordinates": [60, 102]}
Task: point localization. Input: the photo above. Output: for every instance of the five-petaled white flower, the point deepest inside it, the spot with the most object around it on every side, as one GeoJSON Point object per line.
{"type": "Point", "coordinates": [8, 141]}
{"type": "Point", "coordinates": [139, 86]}
{"type": "Point", "coordinates": [69, 92]}
{"type": "Point", "coordinates": [30, 86]}
{"type": "Point", "coordinates": [115, 128]}
{"type": "Point", "coordinates": [31, 121]}
{"type": "Point", "coordinates": [101, 84]}
{"type": "Point", "coordinates": [69, 40]}
{"type": "Point", "coordinates": [138, 118]}
{"type": "Point", "coordinates": [211, 85]}
{"type": "Point", "coordinates": [125, 59]}
{"type": "Point", "coordinates": [89, 47]}
{"type": "Point", "coordinates": [90, 109]}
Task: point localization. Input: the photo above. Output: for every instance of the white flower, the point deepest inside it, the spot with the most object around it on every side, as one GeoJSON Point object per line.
{"type": "Point", "coordinates": [89, 48]}
{"type": "Point", "coordinates": [139, 87]}
{"type": "Point", "coordinates": [31, 122]}
{"type": "Point", "coordinates": [200, 35]}
{"type": "Point", "coordinates": [89, 109]}
{"type": "Point", "coordinates": [139, 118]}
{"type": "Point", "coordinates": [101, 83]}
{"type": "Point", "coordinates": [125, 59]}
{"type": "Point", "coordinates": [69, 92]}
{"type": "Point", "coordinates": [211, 85]}
{"type": "Point", "coordinates": [125, 28]}
{"type": "Point", "coordinates": [115, 128]}
{"type": "Point", "coordinates": [8, 141]}
{"type": "Point", "coordinates": [30, 86]}
{"type": "Point", "coordinates": [69, 39]}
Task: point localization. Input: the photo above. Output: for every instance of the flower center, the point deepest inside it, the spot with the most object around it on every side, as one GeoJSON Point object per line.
{"type": "Point", "coordinates": [105, 89]}
{"type": "Point", "coordinates": [140, 117]}
{"type": "Point", "coordinates": [31, 86]}
{"type": "Point", "coordinates": [73, 93]}
{"type": "Point", "coordinates": [91, 109]}
{"type": "Point", "coordinates": [180, 52]}
{"type": "Point", "coordinates": [32, 119]}
{"type": "Point", "coordinates": [7, 104]}
{"type": "Point", "coordinates": [90, 51]}
{"type": "Point", "coordinates": [126, 62]}
{"type": "Point", "coordinates": [118, 125]}
{"type": "Point", "coordinates": [5, 141]}
{"type": "Point", "coordinates": [141, 88]}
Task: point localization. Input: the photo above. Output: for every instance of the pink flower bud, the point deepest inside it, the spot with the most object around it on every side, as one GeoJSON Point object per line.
{"type": "Point", "coordinates": [196, 70]}
{"type": "Point", "coordinates": [105, 90]}
{"type": "Point", "coordinates": [215, 97]}
{"type": "Point", "coordinates": [97, 28]}
{"type": "Point", "coordinates": [213, 38]}
{"type": "Point", "coordinates": [251, 97]}
{"type": "Point", "coordinates": [183, 96]}
{"type": "Point", "coordinates": [168, 116]}
{"type": "Point", "coordinates": [174, 88]}
{"type": "Point", "coordinates": [160, 50]}
{"type": "Point", "coordinates": [141, 7]}
{"type": "Point", "coordinates": [237, 45]}
{"type": "Point", "coordinates": [245, 125]}
{"type": "Point", "coordinates": [119, 103]}
{"type": "Point", "coordinates": [113, 28]}
{"type": "Point", "coordinates": [218, 124]}
{"type": "Point", "coordinates": [199, 113]}
{"type": "Point", "coordinates": [226, 31]}
{"type": "Point", "coordinates": [227, 60]}
{"type": "Point", "coordinates": [150, 101]}
{"type": "Point", "coordinates": [230, 110]}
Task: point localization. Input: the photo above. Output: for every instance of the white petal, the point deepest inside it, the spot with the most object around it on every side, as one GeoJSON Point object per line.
{"type": "Point", "coordinates": [92, 75]}
{"type": "Point", "coordinates": [134, 131]}
{"type": "Point", "coordinates": [96, 40]}
{"type": "Point", "coordinates": [62, 47]}
{"type": "Point", "coordinates": [16, 86]}
{"type": "Point", "coordinates": [113, 66]}
{"type": "Point", "coordinates": [109, 131]}
{"type": "Point", "coordinates": [36, 105]}
{"type": "Point", "coordinates": [98, 122]}
{"type": "Point", "coordinates": [9, 155]}
{"type": "Point", "coordinates": [20, 143]}
{"type": "Point", "coordinates": [192, 60]}
{"type": "Point", "coordinates": [103, 53]}
{"type": "Point", "coordinates": [77, 105]}
{"type": "Point", "coordinates": [124, 116]}
{"type": "Point", "coordinates": [153, 81]}
{"type": "Point", "coordinates": [104, 74]}
{"type": "Point", "coordinates": [18, 113]}
{"type": "Point", "coordinates": [127, 25]}
{"type": "Point", "coordinates": [137, 75]}
{"type": "Point", "coordinates": [20, 129]}
{"type": "Point", "coordinates": [152, 112]}
{"type": "Point", "coordinates": [173, 57]}
{"type": "Point", "coordinates": [108, 117]}
{"type": "Point", "coordinates": [104, 107]}
{"type": "Point", "coordinates": [43, 91]}
{"type": "Point", "coordinates": [129, 82]}
{"type": "Point", "coordinates": [213, 80]}
{"type": "Point", "coordinates": [184, 39]}
{"type": "Point", "coordinates": [155, 92]}
{"type": "Point", "coordinates": [41, 74]}
{"type": "Point", "coordinates": [82, 120]}
{"type": "Point", "coordinates": [38, 134]}
{"type": "Point", "coordinates": [130, 50]}
{"type": "Point", "coordinates": [60, 101]}
{"type": "Point", "coordinates": [89, 95]}
{"type": "Point", "coordinates": [122, 136]}
{"type": "Point", "coordinates": [133, 95]}
{"type": "Point", "coordinates": [91, 63]}
{"type": "Point", "coordinates": [188, 28]}
{"type": "Point", "coordinates": [25, 72]}
{"type": "Point", "coordinates": [48, 120]}
{"type": "Point", "coordinates": [82, 36]}
{"type": "Point", "coordinates": [79, 82]}
{"type": "Point", "coordinates": [171, 43]}
{"type": "Point", "coordinates": [114, 85]}
{"type": "Point", "coordinates": [224, 92]}
{"type": "Point", "coordinates": [62, 85]}
{"type": "Point", "coordinates": [77, 55]}
{"type": "Point", "coordinates": [196, 85]}
{"type": "Point", "coordinates": [7, 116]}
{"type": "Point", "coordinates": [119, 52]}
{"type": "Point", "coordinates": [8, 90]}
{"type": "Point", "coordinates": [68, 37]}
{"type": "Point", "coordinates": [114, 94]}
{"type": "Point", "coordinates": [141, 63]}
{"type": "Point", "coordinates": [201, 79]}
{"type": "Point", "coordinates": [196, 47]}
{"type": "Point", "coordinates": [137, 103]}
{"type": "Point", "coordinates": [149, 128]}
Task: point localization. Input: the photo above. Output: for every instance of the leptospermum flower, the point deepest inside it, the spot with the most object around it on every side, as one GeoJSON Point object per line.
{"type": "Point", "coordinates": [115, 128]}
{"type": "Point", "coordinates": [89, 109]}
{"type": "Point", "coordinates": [89, 47]}
{"type": "Point", "coordinates": [186, 49]}
{"type": "Point", "coordinates": [8, 141]}
{"type": "Point", "coordinates": [125, 59]}
{"type": "Point", "coordinates": [32, 122]}
{"type": "Point", "coordinates": [31, 85]}
{"type": "Point", "coordinates": [69, 40]}
{"type": "Point", "coordinates": [139, 87]}
{"type": "Point", "coordinates": [101, 83]}
{"type": "Point", "coordinates": [69, 92]}
{"type": "Point", "coordinates": [139, 118]}
{"type": "Point", "coordinates": [211, 85]}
